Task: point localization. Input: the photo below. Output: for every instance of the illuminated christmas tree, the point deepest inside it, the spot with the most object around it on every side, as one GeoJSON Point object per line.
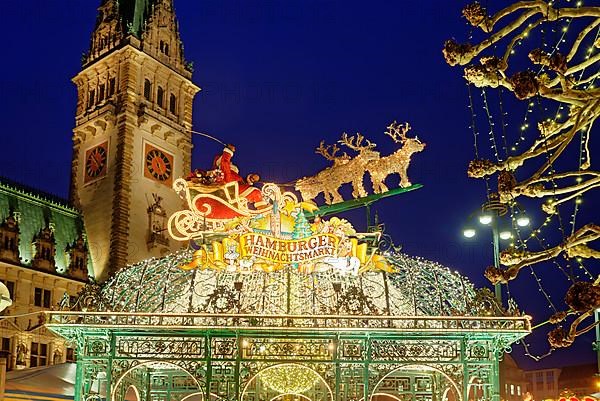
{"type": "Point", "coordinates": [301, 226]}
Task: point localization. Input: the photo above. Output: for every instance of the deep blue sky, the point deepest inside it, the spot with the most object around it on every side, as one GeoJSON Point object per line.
{"type": "Point", "coordinates": [276, 78]}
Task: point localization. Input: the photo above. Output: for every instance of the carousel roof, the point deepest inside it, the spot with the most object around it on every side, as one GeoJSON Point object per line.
{"type": "Point", "coordinates": [418, 287]}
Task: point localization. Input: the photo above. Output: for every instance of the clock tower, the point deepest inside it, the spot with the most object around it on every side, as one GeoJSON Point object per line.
{"type": "Point", "coordinates": [132, 132]}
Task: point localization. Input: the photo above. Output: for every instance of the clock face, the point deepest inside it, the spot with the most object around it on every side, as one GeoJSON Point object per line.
{"type": "Point", "coordinates": [96, 159]}
{"type": "Point", "coordinates": [159, 165]}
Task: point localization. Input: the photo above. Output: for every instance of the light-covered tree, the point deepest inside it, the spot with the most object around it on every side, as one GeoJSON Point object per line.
{"type": "Point", "coordinates": [551, 164]}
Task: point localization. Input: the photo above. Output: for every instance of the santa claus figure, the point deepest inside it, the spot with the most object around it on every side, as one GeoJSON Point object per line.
{"type": "Point", "coordinates": [231, 174]}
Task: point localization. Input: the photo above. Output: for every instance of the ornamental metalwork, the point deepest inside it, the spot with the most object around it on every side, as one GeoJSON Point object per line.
{"type": "Point", "coordinates": [272, 307]}
{"type": "Point", "coordinates": [417, 334]}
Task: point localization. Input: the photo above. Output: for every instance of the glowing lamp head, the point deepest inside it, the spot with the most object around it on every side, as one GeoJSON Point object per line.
{"type": "Point", "coordinates": [469, 232]}
{"type": "Point", "coordinates": [505, 235]}
{"type": "Point", "coordinates": [522, 220]}
{"type": "Point", "coordinates": [485, 218]}
{"type": "Point", "coordinates": [5, 300]}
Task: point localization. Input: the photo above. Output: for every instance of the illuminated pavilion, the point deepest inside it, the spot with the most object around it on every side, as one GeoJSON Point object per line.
{"type": "Point", "coordinates": [158, 332]}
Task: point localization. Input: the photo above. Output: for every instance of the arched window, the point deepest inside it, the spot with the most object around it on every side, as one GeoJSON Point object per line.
{"type": "Point", "coordinates": [164, 48]}
{"type": "Point", "coordinates": [160, 96]}
{"type": "Point", "coordinates": [147, 89]}
{"type": "Point", "coordinates": [172, 104]}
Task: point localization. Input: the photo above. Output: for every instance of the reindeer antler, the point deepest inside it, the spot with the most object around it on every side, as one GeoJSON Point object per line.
{"type": "Point", "coordinates": [323, 150]}
{"type": "Point", "coordinates": [355, 143]}
{"type": "Point", "coordinates": [397, 132]}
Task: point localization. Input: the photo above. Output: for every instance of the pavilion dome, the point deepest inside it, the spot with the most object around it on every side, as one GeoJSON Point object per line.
{"type": "Point", "coordinates": [418, 287]}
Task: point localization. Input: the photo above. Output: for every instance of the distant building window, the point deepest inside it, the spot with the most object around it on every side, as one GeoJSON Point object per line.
{"type": "Point", "coordinates": [160, 93]}
{"type": "Point", "coordinates": [550, 385]}
{"type": "Point", "coordinates": [39, 355]}
{"type": "Point", "coordinates": [42, 297]}
{"type": "Point", "coordinates": [539, 377]}
{"type": "Point", "coordinates": [173, 104]}
{"type": "Point", "coordinates": [70, 354]}
{"type": "Point", "coordinates": [111, 86]}
{"type": "Point", "coordinates": [519, 390]}
{"type": "Point", "coordinates": [550, 376]}
{"type": "Point", "coordinates": [5, 344]}
{"type": "Point", "coordinates": [512, 389]}
{"type": "Point", "coordinates": [147, 89]}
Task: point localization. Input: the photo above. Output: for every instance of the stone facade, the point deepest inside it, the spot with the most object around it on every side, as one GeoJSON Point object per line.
{"type": "Point", "coordinates": [132, 130]}
{"type": "Point", "coordinates": [43, 262]}
{"type": "Point", "coordinates": [513, 385]}
{"type": "Point", "coordinates": [26, 342]}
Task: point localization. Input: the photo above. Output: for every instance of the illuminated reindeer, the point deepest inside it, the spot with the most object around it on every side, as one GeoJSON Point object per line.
{"type": "Point", "coordinates": [344, 170]}
{"type": "Point", "coordinates": [311, 187]}
{"type": "Point", "coordinates": [397, 162]}
{"type": "Point", "coordinates": [357, 166]}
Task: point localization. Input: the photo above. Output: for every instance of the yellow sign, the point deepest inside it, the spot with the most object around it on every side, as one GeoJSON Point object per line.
{"type": "Point", "coordinates": [288, 251]}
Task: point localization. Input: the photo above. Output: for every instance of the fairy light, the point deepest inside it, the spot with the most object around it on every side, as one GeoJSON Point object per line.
{"type": "Point", "coordinates": [289, 378]}
{"type": "Point", "coordinates": [539, 106]}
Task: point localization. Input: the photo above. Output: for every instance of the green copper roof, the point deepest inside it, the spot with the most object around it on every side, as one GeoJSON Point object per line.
{"type": "Point", "coordinates": [36, 209]}
{"type": "Point", "coordinates": [134, 14]}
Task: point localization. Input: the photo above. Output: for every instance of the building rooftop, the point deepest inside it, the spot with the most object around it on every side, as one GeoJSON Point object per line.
{"type": "Point", "coordinates": [36, 210]}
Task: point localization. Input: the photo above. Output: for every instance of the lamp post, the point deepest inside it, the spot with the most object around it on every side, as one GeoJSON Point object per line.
{"type": "Point", "coordinates": [489, 215]}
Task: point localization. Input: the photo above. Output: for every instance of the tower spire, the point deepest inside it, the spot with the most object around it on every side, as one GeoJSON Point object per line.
{"type": "Point", "coordinates": [150, 25]}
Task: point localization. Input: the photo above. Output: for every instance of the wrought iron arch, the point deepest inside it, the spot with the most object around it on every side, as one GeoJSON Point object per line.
{"type": "Point", "coordinates": [115, 387]}
{"type": "Point", "coordinates": [417, 367]}
{"type": "Point", "coordinates": [274, 366]}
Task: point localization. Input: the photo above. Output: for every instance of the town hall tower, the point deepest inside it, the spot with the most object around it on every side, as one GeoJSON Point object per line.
{"type": "Point", "coordinates": [132, 132]}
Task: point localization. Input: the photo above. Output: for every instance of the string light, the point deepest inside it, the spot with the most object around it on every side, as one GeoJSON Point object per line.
{"type": "Point", "coordinates": [540, 108]}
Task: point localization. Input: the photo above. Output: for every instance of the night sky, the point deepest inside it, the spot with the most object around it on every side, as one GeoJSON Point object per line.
{"type": "Point", "coordinates": [276, 78]}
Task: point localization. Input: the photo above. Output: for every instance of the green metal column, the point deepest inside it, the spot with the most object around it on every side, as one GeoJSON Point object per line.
{"type": "Point", "coordinates": [466, 377]}
{"type": "Point", "coordinates": [208, 378]}
{"type": "Point", "coordinates": [496, 242]}
{"type": "Point", "coordinates": [496, 376]}
{"type": "Point", "coordinates": [336, 360]}
{"type": "Point", "coordinates": [236, 373]}
{"type": "Point", "coordinates": [79, 375]}
{"type": "Point", "coordinates": [111, 354]}
{"type": "Point", "coordinates": [366, 369]}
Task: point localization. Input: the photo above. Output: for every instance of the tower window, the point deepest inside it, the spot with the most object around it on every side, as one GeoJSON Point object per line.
{"type": "Point", "coordinates": [147, 89]}
{"type": "Point", "coordinates": [159, 96]}
{"type": "Point", "coordinates": [111, 87]}
{"type": "Point", "coordinates": [164, 48]}
{"type": "Point", "coordinates": [92, 98]}
{"type": "Point", "coordinates": [172, 104]}
{"type": "Point", "coordinates": [101, 92]}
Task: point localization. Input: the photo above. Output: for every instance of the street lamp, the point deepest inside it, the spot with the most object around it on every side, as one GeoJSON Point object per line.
{"type": "Point", "coordinates": [489, 215]}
